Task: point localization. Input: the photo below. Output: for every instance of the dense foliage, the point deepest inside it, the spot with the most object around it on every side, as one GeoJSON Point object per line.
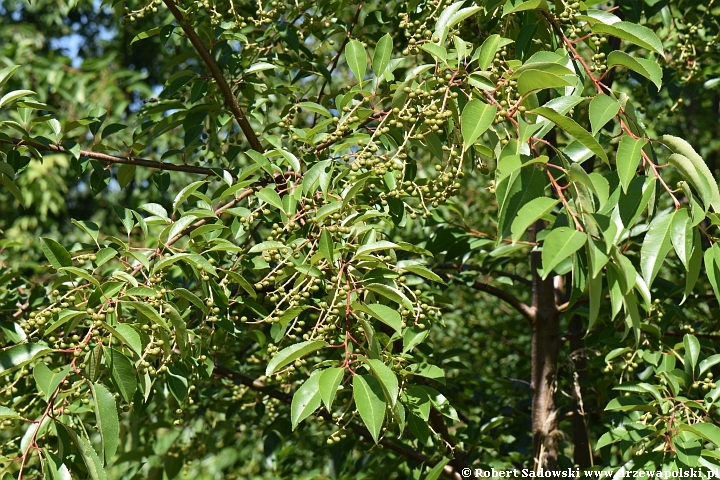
{"type": "Point", "coordinates": [329, 239]}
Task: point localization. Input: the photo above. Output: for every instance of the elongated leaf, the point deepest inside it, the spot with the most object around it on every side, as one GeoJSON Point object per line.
{"type": "Point", "coordinates": [476, 119]}
{"type": "Point", "coordinates": [292, 353]}
{"type": "Point", "coordinates": [559, 244]}
{"type": "Point", "coordinates": [122, 371]}
{"type": "Point", "coordinates": [387, 378]}
{"type": "Point", "coordinates": [356, 58]}
{"type": "Point", "coordinates": [383, 51]}
{"type": "Point", "coordinates": [48, 381]}
{"type": "Point", "coordinates": [694, 168]}
{"type": "Point", "coordinates": [647, 68]}
{"type": "Point", "coordinates": [106, 417]}
{"type": "Point", "coordinates": [385, 314]}
{"type": "Point", "coordinates": [270, 196]}
{"type": "Point", "coordinates": [692, 350]}
{"type": "Point", "coordinates": [328, 384]}
{"type": "Point", "coordinates": [185, 193]}
{"type": "Point", "coordinates": [55, 253]}
{"type": "Point", "coordinates": [19, 355]}
{"type": "Point", "coordinates": [572, 127]}
{"type": "Point", "coordinates": [149, 312]}
{"type": "Point", "coordinates": [655, 246]}
{"type": "Point", "coordinates": [681, 235]}
{"type": "Point", "coordinates": [306, 399]}
{"type": "Point", "coordinates": [392, 293]}
{"type": "Point", "coordinates": [532, 80]}
{"type": "Point", "coordinates": [10, 185]}
{"type": "Point", "coordinates": [374, 247]}
{"type": "Point", "coordinates": [90, 457]}
{"type": "Point", "coordinates": [424, 272]}
{"type": "Point", "coordinates": [370, 402]}
{"type": "Point", "coordinates": [628, 159]}
{"type": "Point", "coordinates": [487, 51]}
{"type": "Point", "coordinates": [633, 33]}
{"type": "Point", "coordinates": [602, 109]}
{"type": "Point", "coordinates": [14, 95]}
{"type": "Point", "coordinates": [529, 214]}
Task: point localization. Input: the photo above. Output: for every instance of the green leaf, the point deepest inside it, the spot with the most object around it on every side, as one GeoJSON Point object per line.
{"type": "Point", "coordinates": [185, 193]}
{"type": "Point", "coordinates": [424, 272]}
{"type": "Point", "coordinates": [10, 185]}
{"type": "Point", "coordinates": [290, 354]}
{"type": "Point", "coordinates": [655, 246]}
{"type": "Point", "coordinates": [647, 68]}
{"type": "Point", "coordinates": [692, 350]}
{"type": "Point", "coordinates": [695, 170]}
{"type": "Point", "coordinates": [177, 383]}
{"type": "Point", "coordinates": [6, 73]}
{"type": "Point", "coordinates": [8, 413]}
{"type": "Point", "coordinates": [558, 245]}
{"type": "Point", "coordinates": [88, 454]}
{"type": "Point", "coordinates": [681, 235]}
{"type": "Point", "coordinates": [602, 109]}
{"type": "Point", "coordinates": [572, 127]}
{"type": "Point", "coordinates": [106, 417]}
{"type": "Point", "coordinates": [708, 431]}
{"type": "Point", "coordinates": [122, 371]}
{"type": "Point", "coordinates": [533, 80]}
{"type": "Point", "coordinates": [369, 400]}
{"type": "Point", "coordinates": [328, 384]}
{"type": "Point", "coordinates": [48, 381]}
{"type": "Point", "coordinates": [475, 120]}
{"type": "Point", "coordinates": [392, 293]}
{"type": "Point", "coordinates": [156, 209]}
{"type": "Point", "coordinates": [178, 227]}
{"type": "Point", "coordinates": [389, 316]}
{"type": "Point", "coordinates": [633, 33]}
{"type": "Point", "coordinates": [628, 158]}
{"type": "Point", "coordinates": [270, 196]}
{"type": "Point", "coordinates": [514, 6]}
{"type": "Point", "coordinates": [326, 245]}
{"type": "Point", "coordinates": [529, 214]}
{"type": "Point", "coordinates": [356, 58]}
{"type": "Point", "coordinates": [387, 378]}
{"type": "Point", "coordinates": [437, 470]}
{"type": "Point", "coordinates": [382, 54]}
{"type": "Point", "coordinates": [487, 51]}
{"type": "Point", "coordinates": [374, 247]}
{"type": "Point", "coordinates": [55, 253]}
{"type": "Point", "coordinates": [306, 399]}
{"type": "Point", "coordinates": [149, 312]}
{"type": "Point", "coordinates": [436, 51]}
{"type": "Point", "coordinates": [79, 272]}
{"type": "Point", "coordinates": [90, 228]}
{"type": "Point", "coordinates": [14, 95]}
{"type": "Point", "coordinates": [19, 355]}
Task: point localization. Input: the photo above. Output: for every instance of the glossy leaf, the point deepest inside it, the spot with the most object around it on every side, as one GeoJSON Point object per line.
{"type": "Point", "coordinates": [628, 159]}
{"type": "Point", "coordinates": [602, 109]}
{"type": "Point", "coordinates": [370, 402]}
{"type": "Point", "coordinates": [558, 245]}
{"type": "Point", "coordinates": [292, 353]}
{"type": "Point", "coordinates": [306, 399]}
{"type": "Point", "coordinates": [106, 418]}
{"type": "Point", "coordinates": [356, 58]}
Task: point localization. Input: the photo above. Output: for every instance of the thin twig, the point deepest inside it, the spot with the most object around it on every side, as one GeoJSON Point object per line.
{"type": "Point", "coordinates": [215, 71]}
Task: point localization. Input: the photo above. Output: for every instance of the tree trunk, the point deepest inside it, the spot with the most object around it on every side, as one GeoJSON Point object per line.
{"type": "Point", "coordinates": [544, 358]}
{"type": "Point", "coordinates": [582, 453]}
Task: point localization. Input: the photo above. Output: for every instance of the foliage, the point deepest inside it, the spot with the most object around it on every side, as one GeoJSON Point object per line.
{"type": "Point", "coordinates": [304, 223]}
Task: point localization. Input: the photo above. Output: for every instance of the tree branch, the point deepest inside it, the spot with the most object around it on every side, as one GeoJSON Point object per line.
{"type": "Point", "coordinates": [215, 71]}
{"type": "Point", "coordinates": [527, 311]}
{"type": "Point", "coordinates": [404, 450]}
{"type": "Point", "coordinates": [103, 157]}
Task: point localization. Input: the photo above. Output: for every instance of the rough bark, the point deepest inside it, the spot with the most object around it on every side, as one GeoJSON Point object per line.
{"type": "Point", "coordinates": [544, 358]}
{"type": "Point", "coordinates": [582, 455]}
